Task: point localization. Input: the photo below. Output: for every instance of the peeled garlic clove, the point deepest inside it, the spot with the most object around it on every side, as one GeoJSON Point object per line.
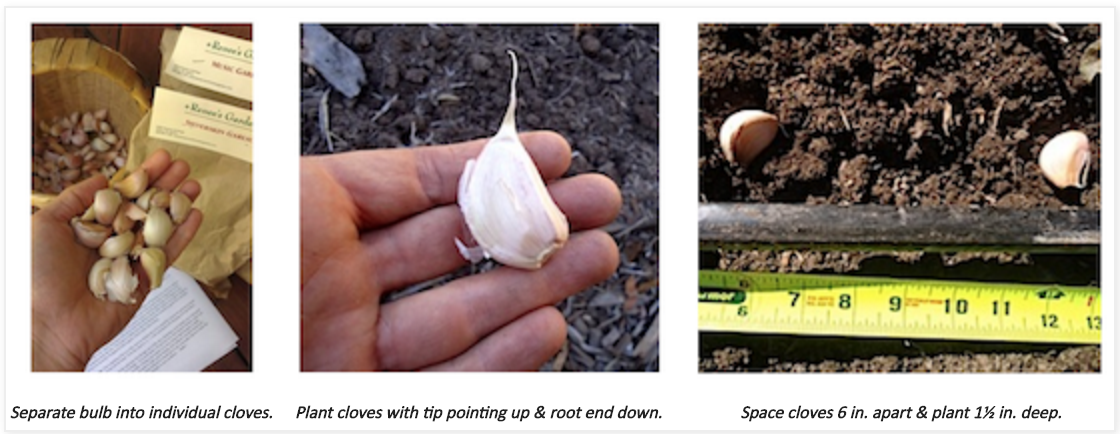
{"type": "Point", "coordinates": [1065, 159]}
{"type": "Point", "coordinates": [105, 205]}
{"type": "Point", "coordinates": [157, 227]}
{"type": "Point", "coordinates": [154, 262]}
{"type": "Point", "coordinates": [97, 276]}
{"type": "Point", "coordinates": [505, 203]}
{"type": "Point", "coordinates": [133, 185]}
{"type": "Point", "coordinates": [745, 134]}
{"type": "Point", "coordinates": [121, 283]}
{"type": "Point", "coordinates": [117, 246]}
{"type": "Point", "coordinates": [90, 234]}
{"type": "Point", "coordinates": [180, 207]}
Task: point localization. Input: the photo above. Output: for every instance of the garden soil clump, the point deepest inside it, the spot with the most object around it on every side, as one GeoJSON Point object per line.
{"type": "Point", "coordinates": [900, 115]}
{"type": "Point", "coordinates": [595, 85]}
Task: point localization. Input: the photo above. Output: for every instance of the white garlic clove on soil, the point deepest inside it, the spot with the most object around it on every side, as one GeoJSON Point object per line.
{"type": "Point", "coordinates": [1065, 159]}
{"type": "Point", "coordinates": [97, 277]}
{"type": "Point", "coordinates": [745, 134]}
{"type": "Point", "coordinates": [505, 203]}
{"type": "Point", "coordinates": [121, 282]}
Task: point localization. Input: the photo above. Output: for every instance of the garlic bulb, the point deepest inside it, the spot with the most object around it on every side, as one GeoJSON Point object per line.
{"type": "Point", "coordinates": [1065, 159]}
{"type": "Point", "coordinates": [505, 203]}
{"type": "Point", "coordinates": [746, 133]}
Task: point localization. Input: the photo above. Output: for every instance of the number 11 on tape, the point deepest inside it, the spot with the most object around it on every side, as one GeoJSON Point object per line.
{"type": "Point", "coordinates": [897, 308]}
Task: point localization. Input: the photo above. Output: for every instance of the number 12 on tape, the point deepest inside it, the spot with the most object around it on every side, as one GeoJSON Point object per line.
{"type": "Point", "coordinates": [897, 308]}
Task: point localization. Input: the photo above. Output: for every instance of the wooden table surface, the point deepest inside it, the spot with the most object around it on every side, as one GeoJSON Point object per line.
{"type": "Point", "coordinates": [238, 312]}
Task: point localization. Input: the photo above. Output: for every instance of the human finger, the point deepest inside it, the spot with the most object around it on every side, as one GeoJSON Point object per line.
{"type": "Point", "coordinates": [522, 345]}
{"type": "Point", "coordinates": [435, 325]}
{"type": "Point", "coordinates": [388, 185]}
{"type": "Point", "coordinates": [426, 242]}
{"type": "Point", "coordinates": [75, 200]}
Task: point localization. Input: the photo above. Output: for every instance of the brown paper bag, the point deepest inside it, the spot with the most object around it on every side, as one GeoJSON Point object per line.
{"type": "Point", "coordinates": [224, 243]}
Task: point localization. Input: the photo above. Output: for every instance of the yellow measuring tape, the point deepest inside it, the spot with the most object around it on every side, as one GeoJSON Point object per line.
{"type": "Point", "coordinates": [898, 308]}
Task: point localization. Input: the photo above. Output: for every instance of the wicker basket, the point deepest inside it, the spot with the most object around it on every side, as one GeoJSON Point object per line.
{"type": "Point", "coordinates": [80, 75]}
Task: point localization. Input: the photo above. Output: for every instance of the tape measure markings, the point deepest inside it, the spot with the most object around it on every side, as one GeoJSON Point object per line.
{"type": "Point", "coordinates": [888, 307]}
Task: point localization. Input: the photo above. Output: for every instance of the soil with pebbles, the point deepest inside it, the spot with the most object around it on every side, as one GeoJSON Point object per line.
{"type": "Point", "coordinates": [597, 85]}
{"type": "Point", "coordinates": [902, 115]}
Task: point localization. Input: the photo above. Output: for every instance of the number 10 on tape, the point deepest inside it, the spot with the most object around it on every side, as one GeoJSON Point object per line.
{"type": "Point", "coordinates": [897, 308]}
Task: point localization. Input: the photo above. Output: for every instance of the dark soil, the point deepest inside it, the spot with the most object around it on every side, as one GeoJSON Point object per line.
{"type": "Point", "coordinates": [903, 115]}
{"type": "Point", "coordinates": [908, 115]}
{"type": "Point", "coordinates": [595, 85]}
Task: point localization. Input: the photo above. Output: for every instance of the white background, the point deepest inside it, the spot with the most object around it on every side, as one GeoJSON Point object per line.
{"type": "Point", "coordinates": [686, 399]}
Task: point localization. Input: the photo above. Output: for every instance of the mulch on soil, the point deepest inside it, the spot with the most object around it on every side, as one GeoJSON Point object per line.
{"type": "Point", "coordinates": [596, 85]}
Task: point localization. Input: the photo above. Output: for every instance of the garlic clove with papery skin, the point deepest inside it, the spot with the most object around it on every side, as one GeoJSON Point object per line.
{"type": "Point", "coordinates": [105, 205]}
{"type": "Point", "coordinates": [133, 185]}
{"type": "Point", "coordinates": [505, 203]}
{"type": "Point", "coordinates": [90, 234]}
{"type": "Point", "coordinates": [745, 134]}
{"type": "Point", "coordinates": [154, 262]}
{"type": "Point", "coordinates": [1065, 159]}
{"type": "Point", "coordinates": [121, 282]}
{"type": "Point", "coordinates": [97, 277]}
{"type": "Point", "coordinates": [179, 207]}
{"type": "Point", "coordinates": [117, 246]}
{"type": "Point", "coordinates": [157, 227]}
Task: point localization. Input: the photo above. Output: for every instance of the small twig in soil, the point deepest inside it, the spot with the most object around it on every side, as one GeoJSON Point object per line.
{"type": "Point", "coordinates": [384, 109]}
{"type": "Point", "coordinates": [844, 117]}
{"type": "Point", "coordinates": [325, 119]}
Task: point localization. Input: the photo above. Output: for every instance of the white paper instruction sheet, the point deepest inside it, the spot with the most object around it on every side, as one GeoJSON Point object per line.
{"type": "Point", "coordinates": [177, 329]}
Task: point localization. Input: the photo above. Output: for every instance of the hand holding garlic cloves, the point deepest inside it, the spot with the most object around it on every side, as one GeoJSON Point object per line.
{"type": "Point", "coordinates": [68, 322]}
{"type": "Point", "coordinates": [374, 222]}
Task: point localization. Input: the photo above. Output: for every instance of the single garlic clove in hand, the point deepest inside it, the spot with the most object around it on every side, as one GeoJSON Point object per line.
{"type": "Point", "coordinates": [145, 200]}
{"type": "Point", "coordinates": [117, 246]}
{"type": "Point", "coordinates": [180, 207]}
{"type": "Point", "coordinates": [133, 185]}
{"type": "Point", "coordinates": [97, 276]}
{"type": "Point", "coordinates": [157, 227]}
{"type": "Point", "coordinates": [105, 205]}
{"type": "Point", "coordinates": [121, 282]}
{"type": "Point", "coordinates": [1065, 159]}
{"type": "Point", "coordinates": [745, 134]}
{"type": "Point", "coordinates": [154, 262]}
{"type": "Point", "coordinates": [505, 203]}
{"type": "Point", "coordinates": [90, 234]}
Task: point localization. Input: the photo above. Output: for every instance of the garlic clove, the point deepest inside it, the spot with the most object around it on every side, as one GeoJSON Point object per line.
{"type": "Point", "coordinates": [90, 234]}
{"type": "Point", "coordinates": [745, 134]}
{"type": "Point", "coordinates": [117, 246]}
{"type": "Point", "coordinates": [122, 222]}
{"type": "Point", "coordinates": [97, 277]}
{"type": "Point", "coordinates": [180, 207]}
{"type": "Point", "coordinates": [146, 199]}
{"type": "Point", "coordinates": [99, 145]}
{"type": "Point", "coordinates": [1065, 159]}
{"type": "Point", "coordinates": [89, 123]}
{"type": "Point", "coordinates": [505, 203]}
{"type": "Point", "coordinates": [160, 199]}
{"type": "Point", "coordinates": [133, 185]}
{"type": "Point", "coordinates": [154, 262]}
{"type": "Point", "coordinates": [121, 282]}
{"type": "Point", "coordinates": [134, 212]}
{"type": "Point", "coordinates": [101, 114]}
{"type": "Point", "coordinates": [105, 205]}
{"type": "Point", "coordinates": [90, 214]}
{"type": "Point", "coordinates": [157, 227]}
